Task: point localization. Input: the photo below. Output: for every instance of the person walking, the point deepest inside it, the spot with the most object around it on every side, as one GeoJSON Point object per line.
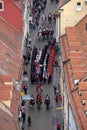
{"type": "Point", "coordinates": [23, 116]}
{"type": "Point", "coordinates": [55, 88]}
{"type": "Point", "coordinates": [51, 1]}
{"type": "Point", "coordinates": [29, 121]}
{"type": "Point", "coordinates": [57, 1]}
{"type": "Point", "coordinates": [58, 127]}
{"type": "Point", "coordinates": [25, 89]}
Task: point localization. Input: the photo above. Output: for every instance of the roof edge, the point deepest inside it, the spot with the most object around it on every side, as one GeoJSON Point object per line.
{"type": "Point", "coordinates": [10, 25]}
{"type": "Point", "coordinates": [63, 4]}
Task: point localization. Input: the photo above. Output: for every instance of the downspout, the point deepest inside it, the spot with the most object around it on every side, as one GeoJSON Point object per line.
{"type": "Point", "coordinates": [57, 14]}
{"type": "Point", "coordinates": [24, 27]}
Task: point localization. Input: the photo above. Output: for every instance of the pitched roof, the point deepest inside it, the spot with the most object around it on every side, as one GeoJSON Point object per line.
{"type": "Point", "coordinates": [18, 3]}
{"type": "Point", "coordinates": [9, 13]}
{"type": "Point", "coordinates": [74, 45]}
{"type": "Point", "coordinates": [5, 79]}
{"type": "Point", "coordinates": [15, 102]}
{"type": "Point", "coordinates": [62, 3]}
{"type": "Point", "coordinates": [8, 93]}
{"type": "Point", "coordinates": [7, 119]}
{"type": "Point", "coordinates": [10, 36]}
{"type": "Point", "coordinates": [5, 90]}
{"type": "Point", "coordinates": [10, 50]}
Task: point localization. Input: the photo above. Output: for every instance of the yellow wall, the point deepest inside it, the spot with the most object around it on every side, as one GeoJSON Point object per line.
{"type": "Point", "coordinates": [69, 16]}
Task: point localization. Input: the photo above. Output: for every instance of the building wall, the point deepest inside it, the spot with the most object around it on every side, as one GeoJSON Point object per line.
{"type": "Point", "coordinates": [69, 16]}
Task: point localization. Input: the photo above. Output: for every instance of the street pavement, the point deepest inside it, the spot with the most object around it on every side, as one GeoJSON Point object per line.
{"type": "Point", "coordinates": [44, 119]}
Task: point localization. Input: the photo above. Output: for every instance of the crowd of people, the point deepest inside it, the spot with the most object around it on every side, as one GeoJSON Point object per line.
{"type": "Point", "coordinates": [45, 33]}
{"type": "Point", "coordinates": [37, 7]}
{"type": "Point", "coordinates": [42, 62]}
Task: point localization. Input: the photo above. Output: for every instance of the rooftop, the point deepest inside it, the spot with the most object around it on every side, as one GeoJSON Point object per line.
{"type": "Point", "coordinates": [74, 46]}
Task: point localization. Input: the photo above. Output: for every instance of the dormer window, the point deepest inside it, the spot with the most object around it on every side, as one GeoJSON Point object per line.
{"type": "Point", "coordinates": [78, 7]}
{"type": "Point", "coordinates": [85, 112]}
{"type": "Point", "coordinates": [1, 5]}
{"type": "Point", "coordinates": [79, 93]}
{"type": "Point", "coordinates": [83, 102]}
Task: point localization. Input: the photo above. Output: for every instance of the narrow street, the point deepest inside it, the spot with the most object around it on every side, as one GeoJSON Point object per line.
{"type": "Point", "coordinates": [43, 119]}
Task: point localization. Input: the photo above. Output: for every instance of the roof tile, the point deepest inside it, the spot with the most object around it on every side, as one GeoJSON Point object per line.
{"type": "Point", "coordinates": [76, 68]}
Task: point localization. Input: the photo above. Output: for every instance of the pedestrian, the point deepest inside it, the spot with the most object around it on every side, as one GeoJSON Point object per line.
{"type": "Point", "coordinates": [43, 7]}
{"type": "Point", "coordinates": [47, 32]}
{"type": "Point", "coordinates": [29, 40]}
{"type": "Point", "coordinates": [54, 18]}
{"type": "Point", "coordinates": [29, 121]}
{"type": "Point", "coordinates": [25, 89]}
{"type": "Point", "coordinates": [38, 87]}
{"type": "Point", "coordinates": [55, 88]}
{"type": "Point", "coordinates": [59, 98]}
{"type": "Point", "coordinates": [51, 32]}
{"type": "Point", "coordinates": [51, 1]}
{"type": "Point", "coordinates": [44, 18]}
{"type": "Point", "coordinates": [28, 57]}
{"type": "Point", "coordinates": [22, 103]}
{"type": "Point", "coordinates": [57, 1]}
{"type": "Point", "coordinates": [25, 73]}
{"type": "Point", "coordinates": [43, 33]}
{"type": "Point", "coordinates": [20, 115]}
{"type": "Point", "coordinates": [58, 127]}
{"type": "Point", "coordinates": [49, 18]}
{"type": "Point", "coordinates": [23, 116]}
{"type": "Point", "coordinates": [49, 78]}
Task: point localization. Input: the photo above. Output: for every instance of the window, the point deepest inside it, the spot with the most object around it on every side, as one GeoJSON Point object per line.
{"type": "Point", "coordinates": [83, 102]}
{"type": "Point", "coordinates": [78, 7]}
{"type": "Point", "coordinates": [1, 5]}
{"type": "Point", "coordinates": [79, 93]}
{"type": "Point", "coordinates": [85, 112]}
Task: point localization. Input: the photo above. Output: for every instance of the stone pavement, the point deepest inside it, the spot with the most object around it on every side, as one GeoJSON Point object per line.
{"type": "Point", "coordinates": [43, 119]}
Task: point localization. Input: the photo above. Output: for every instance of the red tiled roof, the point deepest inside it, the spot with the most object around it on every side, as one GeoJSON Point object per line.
{"type": "Point", "coordinates": [9, 13]}
{"type": "Point", "coordinates": [5, 92]}
{"type": "Point", "coordinates": [15, 102]}
{"type": "Point", "coordinates": [76, 61]}
{"type": "Point", "coordinates": [76, 44]}
{"type": "Point", "coordinates": [10, 50]}
{"type": "Point", "coordinates": [10, 37]}
{"type": "Point", "coordinates": [83, 96]}
{"type": "Point", "coordinates": [82, 86]}
{"type": "Point", "coordinates": [77, 74]}
{"type": "Point", "coordinates": [78, 67]}
{"type": "Point", "coordinates": [7, 119]}
{"type": "Point", "coordinates": [5, 78]}
{"type": "Point", "coordinates": [17, 2]}
{"type": "Point", "coordinates": [75, 53]}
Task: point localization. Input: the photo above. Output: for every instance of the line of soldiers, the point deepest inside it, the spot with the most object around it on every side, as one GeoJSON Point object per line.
{"type": "Point", "coordinates": [50, 18]}
{"type": "Point", "coordinates": [45, 32]}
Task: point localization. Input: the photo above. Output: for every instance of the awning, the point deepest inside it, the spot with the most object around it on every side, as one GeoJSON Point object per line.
{"type": "Point", "coordinates": [26, 97]}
